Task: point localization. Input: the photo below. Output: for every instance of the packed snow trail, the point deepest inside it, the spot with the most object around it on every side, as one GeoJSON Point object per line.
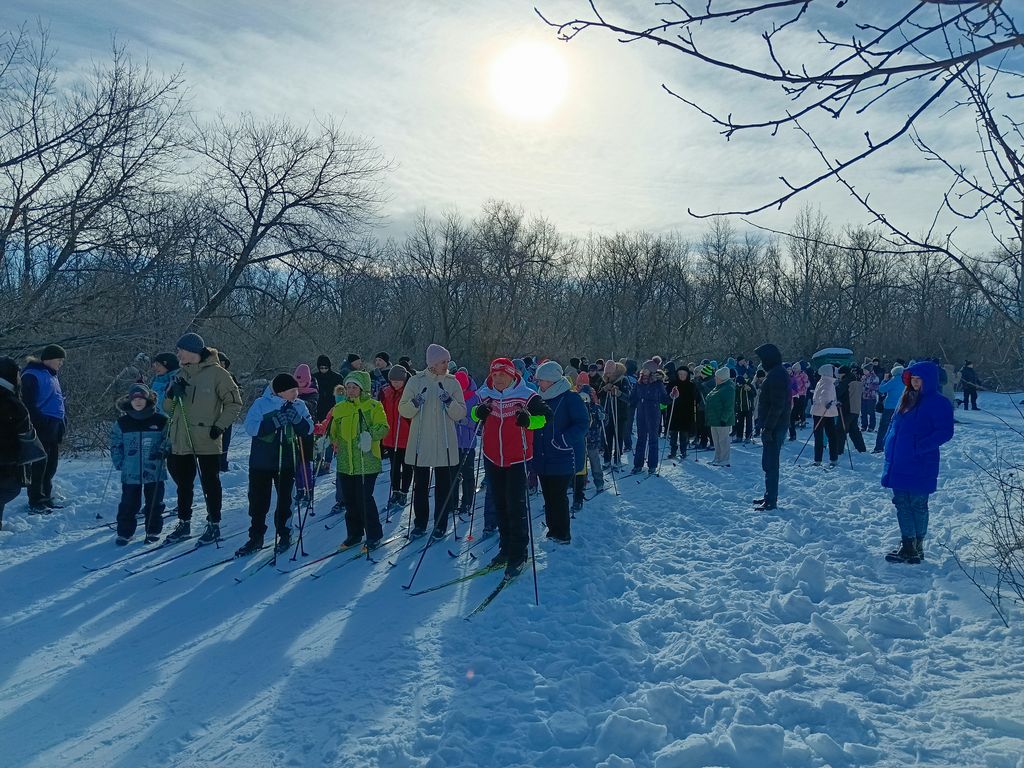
{"type": "Point", "coordinates": [680, 628]}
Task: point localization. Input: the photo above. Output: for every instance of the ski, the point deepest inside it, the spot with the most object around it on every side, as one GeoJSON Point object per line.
{"type": "Point", "coordinates": [505, 581]}
{"type": "Point", "coordinates": [458, 579]}
{"type": "Point", "coordinates": [208, 566]}
{"type": "Point", "coordinates": [162, 545]}
{"type": "Point", "coordinates": [246, 574]}
{"type": "Point", "coordinates": [360, 555]}
{"type": "Point", "coordinates": [150, 566]}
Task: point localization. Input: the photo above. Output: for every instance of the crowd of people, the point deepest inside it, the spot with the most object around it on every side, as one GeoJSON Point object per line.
{"type": "Point", "coordinates": [531, 425]}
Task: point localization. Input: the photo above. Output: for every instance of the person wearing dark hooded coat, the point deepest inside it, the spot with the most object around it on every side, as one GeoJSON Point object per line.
{"type": "Point", "coordinates": [682, 411]}
{"type": "Point", "coordinates": [773, 410]}
{"type": "Point", "coordinates": [327, 381]}
{"type": "Point", "coordinates": [921, 423]}
{"type": "Point", "coordinates": [18, 443]}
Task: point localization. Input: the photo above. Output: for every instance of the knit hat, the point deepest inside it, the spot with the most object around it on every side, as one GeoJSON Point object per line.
{"type": "Point", "coordinates": [9, 371]}
{"type": "Point", "coordinates": [398, 373]}
{"type": "Point", "coordinates": [353, 357]}
{"type": "Point", "coordinates": [323, 362]}
{"type": "Point", "coordinates": [549, 371]}
{"type": "Point", "coordinates": [503, 365]}
{"type": "Point", "coordinates": [827, 370]}
{"type": "Point", "coordinates": [609, 368]}
{"type": "Point", "coordinates": [53, 352]}
{"type": "Point", "coordinates": [141, 390]}
{"type": "Point", "coordinates": [383, 356]}
{"type": "Point", "coordinates": [361, 379]}
{"type": "Point", "coordinates": [897, 371]}
{"type": "Point", "coordinates": [707, 371]}
{"type": "Point", "coordinates": [167, 360]}
{"type": "Point", "coordinates": [437, 354]}
{"type": "Point", "coordinates": [651, 365]}
{"type": "Point", "coordinates": [191, 342]}
{"type": "Point", "coordinates": [583, 380]}
{"type": "Point", "coordinates": [722, 375]}
{"type": "Point", "coordinates": [282, 383]}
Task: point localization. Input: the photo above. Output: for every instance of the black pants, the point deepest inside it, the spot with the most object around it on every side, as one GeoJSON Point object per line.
{"type": "Point", "coordinates": [261, 483]}
{"type": "Point", "coordinates": [131, 498]}
{"type": "Point", "coordinates": [883, 428]}
{"type": "Point", "coordinates": [677, 440]}
{"type": "Point", "coordinates": [183, 470]}
{"type": "Point", "coordinates": [744, 425]}
{"type": "Point", "coordinates": [40, 489]}
{"type": "Point", "coordinates": [361, 514]}
{"type": "Point", "coordinates": [825, 426]}
{"type": "Point", "coordinates": [401, 473]}
{"type": "Point", "coordinates": [771, 450]}
{"type": "Point", "coordinates": [465, 487]}
{"type": "Point", "coordinates": [851, 421]}
{"type": "Point", "coordinates": [443, 479]}
{"type": "Point", "coordinates": [225, 441]}
{"type": "Point", "coordinates": [970, 397]}
{"type": "Point", "coordinates": [507, 486]}
{"type": "Point", "coordinates": [556, 504]}
{"type": "Point", "coordinates": [7, 495]}
{"type": "Point", "coordinates": [796, 416]}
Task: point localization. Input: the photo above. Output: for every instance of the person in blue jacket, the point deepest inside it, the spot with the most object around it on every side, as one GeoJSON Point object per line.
{"type": "Point", "coordinates": [275, 422]}
{"type": "Point", "coordinates": [138, 447]}
{"type": "Point", "coordinates": [922, 421]}
{"type": "Point", "coordinates": [42, 395]}
{"type": "Point", "coordinates": [559, 447]}
{"type": "Point", "coordinates": [647, 399]}
{"type": "Point", "coordinates": [165, 369]}
{"type": "Point", "coordinates": [890, 391]}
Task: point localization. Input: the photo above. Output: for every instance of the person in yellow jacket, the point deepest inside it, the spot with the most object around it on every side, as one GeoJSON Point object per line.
{"type": "Point", "coordinates": [358, 424]}
{"type": "Point", "coordinates": [200, 403]}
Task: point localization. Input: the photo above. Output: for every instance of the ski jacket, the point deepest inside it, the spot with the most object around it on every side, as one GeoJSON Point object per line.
{"type": "Point", "coordinates": [138, 444]}
{"type": "Point", "coordinates": [720, 407]}
{"type": "Point", "coordinates": [504, 442]}
{"type": "Point", "coordinates": [870, 383]}
{"type": "Point", "coordinates": [398, 434]}
{"type": "Point", "coordinates": [683, 413]}
{"type": "Point", "coordinates": [432, 439]}
{"type": "Point", "coordinates": [465, 429]}
{"type": "Point", "coordinates": [803, 383]}
{"type": "Point", "coordinates": [275, 448]}
{"type": "Point", "coordinates": [211, 399]}
{"type": "Point", "coordinates": [649, 400]}
{"type": "Point", "coordinates": [378, 381]}
{"type": "Point", "coordinates": [595, 431]}
{"type": "Point", "coordinates": [773, 405]}
{"type": "Point", "coordinates": [913, 440]}
{"type": "Point", "coordinates": [891, 390]}
{"type": "Point", "coordinates": [325, 384]}
{"type": "Point", "coordinates": [559, 447]}
{"type": "Point", "coordinates": [159, 386]}
{"type": "Point", "coordinates": [42, 395]}
{"type": "Point", "coordinates": [745, 395]}
{"type": "Point", "coordinates": [617, 405]}
{"type": "Point", "coordinates": [856, 390]}
{"type": "Point", "coordinates": [825, 401]}
{"type": "Point", "coordinates": [349, 419]}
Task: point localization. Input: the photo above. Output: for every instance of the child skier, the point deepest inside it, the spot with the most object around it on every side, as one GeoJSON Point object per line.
{"type": "Point", "coordinates": [138, 447]}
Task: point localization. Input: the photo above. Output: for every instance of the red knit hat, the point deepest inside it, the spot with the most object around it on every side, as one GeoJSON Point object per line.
{"type": "Point", "coordinates": [583, 378]}
{"type": "Point", "coordinates": [502, 365]}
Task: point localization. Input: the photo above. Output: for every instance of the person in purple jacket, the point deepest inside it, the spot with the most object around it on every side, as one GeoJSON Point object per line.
{"type": "Point", "coordinates": [922, 421]}
{"type": "Point", "coordinates": [42, 395]}
{"type": "Point", "coordinates": [648, 398]}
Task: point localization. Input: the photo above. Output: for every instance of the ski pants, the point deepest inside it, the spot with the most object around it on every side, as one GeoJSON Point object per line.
{"type": "Point", "coordinates": [443, 479]}
{"type": "Point", "coordinates": [867, 413]}
{"type": "Point", "coordinates": [850, 421]}
{"type": "Point", "coordinates": [401, 473]}
{"type": "Point", "coordinates": [132, 495]}
{"type": "Point", "coordinates": [361, 514]}
{"type": "Point", "coordinates": [40, 488]}
{"type": "Point", "coordinates": [465, 487]}
{"type": "Point", "coordinates": [183, 469]}
{"type": "Point", "coordinates": [646, 444]}
{"type": "Point", "coordinates": [261, 483]}
{"type": "Point", "coordinates": [507, 486]}
{"type": "Point", "coordinates": [556, 504]}
{"type": "Point", "coordinates": [825, 426]}
{"type": "Point", "coordinates": [744, 425]}
{"type": "Point", "coordinates": [677, 440]}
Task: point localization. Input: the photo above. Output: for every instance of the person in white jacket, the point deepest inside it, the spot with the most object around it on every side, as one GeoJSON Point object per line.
{"type": "Point", "coordinates": [824, 410]}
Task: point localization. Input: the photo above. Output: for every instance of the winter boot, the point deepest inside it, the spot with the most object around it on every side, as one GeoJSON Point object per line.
{"type": "Point", "coordinates": [152, 538]}
{"type": "Point", "coordinates": [181, 532]}
{"type": "Point", "coordinates": [488, 532]}
{"type": "Point", "coordinates": [122, 540]}
{"type": "Point", "coordinates": [500, 561]}
{"type": "Point", "coordinates": [251, 547]}
{"type": "Point", "coordinates": [284, 540]}
{"type": "Point", "coordinates": [210, 535]}
{"type": "Point", "coordinates": [577, 506]}
{"type": "Point", "coordinates": [919, 546]}
{"type": "Point", "coordinates": [907, 553]}
{"type": "Point", "coordinates": [352, 540]}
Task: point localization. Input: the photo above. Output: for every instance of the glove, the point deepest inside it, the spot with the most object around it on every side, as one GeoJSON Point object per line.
{"type": "Point", "coordinates": [215, 432]}
{"type": "Point", "coordinates": [523, 419]}
{"type": "Point", "coordinates": [177, 389]}
{"type": "Point", "coordinates": [446, 397]}
{"type": "Point", "coordinates": [483, 410]}
{"type": "Point", "coordinates": [280, 418]}
{"type": "Point", "coordinates": [674, 393]}
{"type": "Point", "coordinates": [293, 415]}
{"type": "Point", "coordinates": [365, 442]}
{"type": "Point", "coordinates": [157, 454]}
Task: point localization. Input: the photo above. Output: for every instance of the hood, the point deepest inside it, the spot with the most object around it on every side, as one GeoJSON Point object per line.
{"type": "Point", "coordinates": [929, 373]}
{"type": "Point", "coordinates": [303, 376]}
{"type": "Point", "coordinates": [770, 356]}
{"type": "Point", "coordinates": [466, 383]}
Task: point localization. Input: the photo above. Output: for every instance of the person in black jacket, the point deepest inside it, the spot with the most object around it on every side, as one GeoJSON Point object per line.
{"type": "Point", "coordinates": [682, 412]}
{"type": "Point", "coordinates": [969, 384]}
{"type": "Point", "coordinates": [773, 409]}
{"type": "Point", "coordinates": [42, 395]}
{"type": "Point", "coordinates": [15, 427]}
{"type": "Point", "coordinates": [327, 381]}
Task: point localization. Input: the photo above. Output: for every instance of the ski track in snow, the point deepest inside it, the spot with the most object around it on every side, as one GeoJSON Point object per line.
{"type": "Point", "coordinates": [680, 628]}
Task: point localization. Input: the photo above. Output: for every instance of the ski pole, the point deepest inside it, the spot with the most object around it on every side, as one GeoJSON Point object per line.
{"type": "Point", "coordinates": [415, 464]}
{"type": "Point", "coordinates": [455, 480]}
{"type": "Point", "coordinates": [362, 481]}
{"type": "Point", "coordinates": [671, 408]}
{"type": "Point", "coordinates": [476, 477]}
{"type": "Point", "coordinates": [303, 514]}
{"type": "Point", "coordinates": [846, 437]}
{"type": "Point", "coordinates": [529, 522]}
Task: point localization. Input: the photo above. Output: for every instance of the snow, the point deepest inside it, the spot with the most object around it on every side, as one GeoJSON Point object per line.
{"type": "Point", "coordinates": [680, 628]}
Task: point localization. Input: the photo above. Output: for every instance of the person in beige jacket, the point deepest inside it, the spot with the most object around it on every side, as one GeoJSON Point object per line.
{"type": "Point", "coordinates": [433, 400]}
{"type": "Point", "coordinates": [200, 404]}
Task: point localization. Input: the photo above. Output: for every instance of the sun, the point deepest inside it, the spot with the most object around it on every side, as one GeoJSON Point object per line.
{"type": "Point", "coordinates": [529, 80]}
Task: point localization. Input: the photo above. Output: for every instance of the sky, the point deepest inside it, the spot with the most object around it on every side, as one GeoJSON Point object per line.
{"type": "Point", "coordinates": [618, 153]}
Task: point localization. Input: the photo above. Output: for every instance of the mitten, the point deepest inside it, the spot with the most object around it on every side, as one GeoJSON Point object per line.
{"type": "Point", "coordinates": [365, 442]}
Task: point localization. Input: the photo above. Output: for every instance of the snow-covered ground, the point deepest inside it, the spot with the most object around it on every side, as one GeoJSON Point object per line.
{"type": "Point", "coordinates": [679, 629]}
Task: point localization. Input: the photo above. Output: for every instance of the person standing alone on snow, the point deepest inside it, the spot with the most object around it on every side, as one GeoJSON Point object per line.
{"type": "Point", "coordinates": [773, 411]}
{"type": "Point", "coordinates": [923, 421]}
{"type": "Point", "coordinates": [433, 401]}
{"type": "Point", "coordinates": [201, 403]}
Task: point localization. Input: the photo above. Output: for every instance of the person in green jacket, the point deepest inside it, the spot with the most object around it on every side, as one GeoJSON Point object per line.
{"type": "Point", "coordinates": [358, 424]}
{"type": "Point", "coordinates": [720, 413]}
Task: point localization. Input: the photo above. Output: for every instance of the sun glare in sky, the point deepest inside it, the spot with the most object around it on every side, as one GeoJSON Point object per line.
{"type": "Point", "coordinates": [529, 80]}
